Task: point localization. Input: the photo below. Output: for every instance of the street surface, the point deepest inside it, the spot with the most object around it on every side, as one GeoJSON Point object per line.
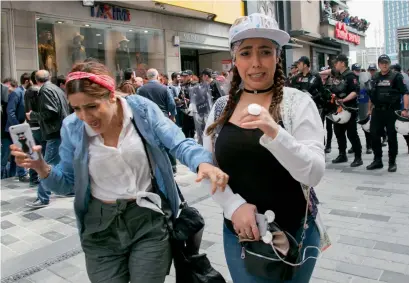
{"type": "Point", "coordinates": [366, 213]}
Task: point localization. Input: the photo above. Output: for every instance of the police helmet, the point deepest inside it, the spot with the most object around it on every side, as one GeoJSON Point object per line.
{"type": "Point", "coordinates": [356, 67]}
{"type": "Point", "coordinates": [340, 117]}
{"type": "Point", "coordinates": [372, 67]}
{"type": "Point", "coordinates": [365, 123]}
{"type": "Point", "coordinates": [402, 124]}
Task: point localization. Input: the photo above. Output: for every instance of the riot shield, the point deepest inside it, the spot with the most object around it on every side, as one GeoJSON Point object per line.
{"type": "Point", "coordinates": [200, 104]}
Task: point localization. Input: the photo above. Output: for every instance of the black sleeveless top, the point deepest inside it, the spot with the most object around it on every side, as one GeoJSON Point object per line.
{"type": "Point", "coordinates": [258, 177]}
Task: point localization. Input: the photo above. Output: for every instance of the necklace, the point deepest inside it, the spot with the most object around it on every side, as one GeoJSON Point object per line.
{"type": "Point", "coordinates": [259, 91]}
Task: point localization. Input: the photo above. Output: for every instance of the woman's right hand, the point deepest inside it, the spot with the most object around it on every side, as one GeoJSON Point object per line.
{"type": "Point", "coordinates": [244, 222]}
{"type": "Point", "coordinates": [23, 160]}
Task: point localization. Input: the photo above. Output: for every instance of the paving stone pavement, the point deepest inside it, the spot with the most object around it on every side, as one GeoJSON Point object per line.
{"type": "Point", "coordinates": [366, 214]}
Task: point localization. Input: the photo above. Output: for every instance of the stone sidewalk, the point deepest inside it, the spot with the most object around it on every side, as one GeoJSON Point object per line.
{"type": "Point", "coordinates": [366, 214]}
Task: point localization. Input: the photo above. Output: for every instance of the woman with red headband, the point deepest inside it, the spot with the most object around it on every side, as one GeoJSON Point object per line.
{"type": "Point", "coordinates": [113, 155]}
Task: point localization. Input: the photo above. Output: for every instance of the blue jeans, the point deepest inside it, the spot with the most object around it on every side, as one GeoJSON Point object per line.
{"type": "Point", "coordinates": [7, 172]}
{"type": "Point", "coordinates": [52, 158]}
{"type": "Point", "coordinates": [238, 272]}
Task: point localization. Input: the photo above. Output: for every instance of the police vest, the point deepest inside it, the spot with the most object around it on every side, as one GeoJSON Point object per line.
{"type": "Point", "coordinates": [339, 85]}
{"type": "Point", "coordinates": [383, 89]}
{"type": "Point", "coordinates": [304, 83]}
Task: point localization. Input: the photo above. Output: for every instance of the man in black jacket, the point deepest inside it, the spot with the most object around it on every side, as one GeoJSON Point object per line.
{"type": "Point", "coordinates": [53, 108]}
{"type": "Point", "coordinates": [32, 103]}
{"type": "Point", "coordinates": [214, 85]}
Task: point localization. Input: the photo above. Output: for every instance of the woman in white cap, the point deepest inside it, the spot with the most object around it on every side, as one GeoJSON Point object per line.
{"type": "Point", "coordinates": [268, 139]}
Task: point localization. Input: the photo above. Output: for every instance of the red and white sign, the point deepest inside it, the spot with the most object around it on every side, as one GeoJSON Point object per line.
{"type": "Point", "coordinates": [341, 32]}
{"type": "Point", "coordinates": [226, 65]}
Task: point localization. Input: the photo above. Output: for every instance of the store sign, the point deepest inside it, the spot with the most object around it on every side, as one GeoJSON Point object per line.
{"type": "Point", "coordinates": [226, 65]}
{"type": "Point", "coordinates": [341, 32]}
{"type": "Point", "coordinates": [107, 11]}
{"type": "Point", "coordinates": [192, 37]}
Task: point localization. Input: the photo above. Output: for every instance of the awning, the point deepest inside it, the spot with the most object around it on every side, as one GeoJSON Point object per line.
{"type": "Point", "coordinates": [292, 46]}
{"type": "Point", "coordinates": [304, 34]}
{"type": "Point", "coordinates": [334, 42]}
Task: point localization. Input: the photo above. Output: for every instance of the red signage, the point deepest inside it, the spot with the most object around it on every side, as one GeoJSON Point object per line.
{"type": "Point", "coordinates": [106, 11]}
{"type": "Point", "coordinates": [341, 32]}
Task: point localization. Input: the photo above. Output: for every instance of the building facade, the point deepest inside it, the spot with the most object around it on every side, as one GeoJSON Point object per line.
{"type": "Point", "coordinates": [126, 34]}
{"type": "Point", "coordinates": [317, 29]}
{"type": "Point", "coordinates": [369, 55]}
{"type": "Point", "coordinates": [403, 47]}
{"type": "Point", "coordinates": [395, 15]}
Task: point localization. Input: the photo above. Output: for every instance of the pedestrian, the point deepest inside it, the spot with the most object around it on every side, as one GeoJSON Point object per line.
{"type": "Point", "coordinates": [188, 126]}
{"type": "Point", "coordinates": [104, 158]}
{"type": "Point", "coordinates": [216, 91]}
{"type": "Point", "coordinates": [53, 108]}
{"type": "Point", "coordinates": [161, 95]}
{"type": "Point", "coordinates": [32, 103]}
{"type": "Point", "coordinates": [8, 86]}
{"type": "Point", "coordinates": [15, 116]}
{"type": "Point", "coordinates": [346, 90]}
{"type": "Point", "coordinates": [388, 88]}
{"type": "Point", "coordinates": [269, 149]}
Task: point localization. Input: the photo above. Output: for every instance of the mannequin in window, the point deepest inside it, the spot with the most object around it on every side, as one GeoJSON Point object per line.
{"type": "Point", "coordinates": [46, 52]}
{"type": "Point", "coordinates": [78, 53]}
{"type": "Point", "coordinates": [122, 59]}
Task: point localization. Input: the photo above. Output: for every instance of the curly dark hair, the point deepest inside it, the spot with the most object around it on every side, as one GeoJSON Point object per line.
{"type": "Point", "coordinates": [235, 94]}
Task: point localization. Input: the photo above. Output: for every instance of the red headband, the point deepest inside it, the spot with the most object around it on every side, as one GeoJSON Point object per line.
{"type": "Point", "coordinates": [103, 80]}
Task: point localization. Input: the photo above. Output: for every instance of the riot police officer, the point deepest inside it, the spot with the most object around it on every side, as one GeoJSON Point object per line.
{"type": "Point", "coordinates": [310, 82]}
{"type": "Point", "coordinates": [346, 88]}
{"type": "Point", "coordinates": [385, 95]}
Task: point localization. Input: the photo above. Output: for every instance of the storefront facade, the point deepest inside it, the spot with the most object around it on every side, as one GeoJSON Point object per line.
{"type": "Point", "coordinates": [56, 35]}
{"type": "Point", "coordinates": [321, 35]}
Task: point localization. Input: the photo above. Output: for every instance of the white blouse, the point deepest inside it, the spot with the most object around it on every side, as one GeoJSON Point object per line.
{"type": "Point", "coordinates": [299, 148]}
{"type": "Point", "coordinates": [121, 172]}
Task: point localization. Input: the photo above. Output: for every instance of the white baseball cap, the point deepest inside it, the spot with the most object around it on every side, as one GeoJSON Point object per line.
{"type": "Point", "coordinates": [257, 26]}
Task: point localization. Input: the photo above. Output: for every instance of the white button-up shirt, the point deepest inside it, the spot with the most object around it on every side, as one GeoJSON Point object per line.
{"type": "Point", "coordinates": [118, 173]}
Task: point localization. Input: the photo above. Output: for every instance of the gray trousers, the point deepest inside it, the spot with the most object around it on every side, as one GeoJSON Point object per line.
{"type": "Point", "coordinates": [125, 243]}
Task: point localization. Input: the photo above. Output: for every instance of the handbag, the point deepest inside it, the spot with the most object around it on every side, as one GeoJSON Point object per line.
{"type": "Point", "coordinates": [186, 232]}
{"type": "Point", "coordinates": [269, 260]}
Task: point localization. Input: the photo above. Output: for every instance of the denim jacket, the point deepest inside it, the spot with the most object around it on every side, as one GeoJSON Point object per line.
{"type": "Point", "coordinates": [159, 133]}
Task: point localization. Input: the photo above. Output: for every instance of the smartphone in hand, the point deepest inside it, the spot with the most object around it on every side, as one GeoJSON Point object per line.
{"type": "Point", "coordinates": [22, 136]}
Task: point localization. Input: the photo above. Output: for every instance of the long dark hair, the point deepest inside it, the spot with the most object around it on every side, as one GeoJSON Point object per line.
{"type": "Point", "coordinates": [235, 94]}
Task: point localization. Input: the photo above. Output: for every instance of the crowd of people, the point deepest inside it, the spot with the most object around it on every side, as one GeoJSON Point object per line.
{"type": "Point", "coordinates": [333, 11]}
{"type": "Point", "coordinates": [348, 96]}
{"type": "Point", "coordinates": [255, 135]}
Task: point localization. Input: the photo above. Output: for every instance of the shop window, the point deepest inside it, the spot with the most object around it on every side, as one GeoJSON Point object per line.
{"type": "Point", "coordinates": [61, 44]}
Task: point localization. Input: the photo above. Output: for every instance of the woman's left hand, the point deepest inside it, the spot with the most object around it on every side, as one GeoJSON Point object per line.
{"type": "Point", "coordinates": [264, 122]}
{"type": "Point", "coordinates": [216, 176]}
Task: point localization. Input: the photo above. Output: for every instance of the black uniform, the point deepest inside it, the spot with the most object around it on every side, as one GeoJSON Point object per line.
{"type": "Point", "coordinates": [188, 126]}
{"type": "Point", "coordinates": [311, 83]}
{"type": "Point", "coordinates": [342, 86]}
{"type": "Point", "coordinates": [386, 96]}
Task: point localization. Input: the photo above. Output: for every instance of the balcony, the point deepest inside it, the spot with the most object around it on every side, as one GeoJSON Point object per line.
{"type": "Point", "coordinates": [339, 27]}
{"type": "Point", "coordinates": [331, 14]}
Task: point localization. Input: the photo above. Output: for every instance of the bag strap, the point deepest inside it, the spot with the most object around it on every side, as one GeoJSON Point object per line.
{"type": "Point", "coordinates": [153, 178]}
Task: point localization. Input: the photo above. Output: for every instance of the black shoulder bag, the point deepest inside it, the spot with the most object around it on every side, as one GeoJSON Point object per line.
{"type": "Point", "coordinates": [186, 235]}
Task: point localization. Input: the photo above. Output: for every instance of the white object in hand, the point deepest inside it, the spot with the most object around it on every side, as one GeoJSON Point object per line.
{"type": "Point", "coordinates": [267, 238]}
{"type": "Point", "coordinates": [254, 109]}
{"type": "Point", "coordinates": [270, 216]}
